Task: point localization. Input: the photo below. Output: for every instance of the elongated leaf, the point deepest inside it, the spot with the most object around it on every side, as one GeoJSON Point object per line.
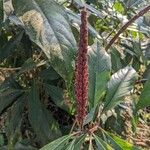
{"type": "Point", "coordinates": [57, 144]}
{"type": "Point", "coordinates": [9, 92]}
{"type": "Point", "coordinates": [119, 85]}
{"type": "Point", "coordinates": [56, 93]}
{"type": "Point", "coordinates": [102, 145]}
{"type": "Point", "coordinates": [119, 144]}
{"type": "Point", "coordinates": [47, 25]}
{"type": "Point", "coordinates": [49, 74]}
{"type": "Point", "coordinates": [99, 69]}
{"type": "Point", "coordinates": [16, 115]}
{"type": "Point", "coordinates": [79, 141]}
{"type": "Point", "coordinates": [90, 116]}
{"type": "Point", "coordinates": [42, 122]}
{"type": "Point", "coordinates": [144, 100]}
{"type": "Point", "coordinates": [71, 145]}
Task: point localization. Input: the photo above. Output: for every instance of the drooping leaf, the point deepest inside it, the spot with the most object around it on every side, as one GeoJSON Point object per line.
{"type": "Point", "coordinates": [79, 141]}
{"type": "Point", "coordinates": [71, 145]}
{"type": "Point", "coordinates": [9, 92]}
{"type": "Point", "coordinates": [49, 74]}
{"type": "Point", "coordinates": [10, 46]}
{"type": "Point", "coordinates": [144, 100]}
{"type": "Point", "coordinates": [116, 60]}
{"type": "Point", "coordinates": [119, 85]}
{"type": "Point", "coordinates": [57, 144]}
{"type": "Point", "coordinates": [56, 94]}
{"type": "Point", "coordinates": [99, 70]}
{"type": "Point", "coordinates": [41, 121]}
{"type": "Point", "coordinates": [13, 128]}
{"type": "Point", "coordinates": [27, 66]}
{"type": "Point", "coordinates": [102, 145]}
{"type": "Point", "coordinates": [1, 140]}
{"type": "Point", "coordinates": [90, 116]}
{"type": "Point", "coordinates": [118, 143]}
{"type": "Point", "coordinates": [16, 116]}
{"type": "Point", "coordinates": [47, 25]}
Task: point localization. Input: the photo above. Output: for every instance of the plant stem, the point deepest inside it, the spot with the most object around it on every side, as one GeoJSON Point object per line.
{"type": "Point", "coordinates": [141, 13]}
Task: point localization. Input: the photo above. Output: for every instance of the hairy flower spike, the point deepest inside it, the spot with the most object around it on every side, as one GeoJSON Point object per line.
{"type": "Point", "coordinates": [81, 73]}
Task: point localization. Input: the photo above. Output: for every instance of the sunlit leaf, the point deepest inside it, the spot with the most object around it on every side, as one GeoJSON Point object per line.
{"type": "Point", "coordinates": [47, 25]}
{"type": "Point", "coordinates": [120, 144]}
{"type": "Point", "coordinates": [144, 100]}
{"type": "Point", "coordinates": [120, 84]}
{"type": "Point", "coordinates": [57, 144]}
{"type": "Point", "coordinates": [102, 145]}
{"type": "Point", "coordinates": [79, 141]}
{"type": "Point", "coordinates": [99, 70]}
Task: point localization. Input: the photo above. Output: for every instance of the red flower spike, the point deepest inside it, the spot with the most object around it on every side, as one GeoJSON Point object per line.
{"type": "Point", "coordinates": [81, 71]}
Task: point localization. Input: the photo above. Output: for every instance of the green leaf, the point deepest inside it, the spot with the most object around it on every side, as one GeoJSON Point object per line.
{"type": "Point", "coordinates": [27, 66]}
{"type": "Point", "coordinates": [116, 60]}
{"type": "Point", "coordinates": [79, 141]}
{"type": "Point", "coordinates": [102, 145]}
{"type": "Point", "coordinates": [10, 46]}
{"type": "Point", "coordinates": [23, 146]}
{"type": "Point", "coordinates": [49, 74]}
{"type": "Point", "coordinates": [147, 19]}
{"type": "Point", "coordinates": [16, 116]}
{"type": "Point", "coordinates": [119, 85]}
{"type": "Point", "coordinates": [71, 145]}
{"type": "Point", "coordinates": [1, 140]}
{"type": "Point", "coordinates": [41, 120]}
{"type": "Point", "coordinates": [133, 3]}
{"type": "Point", "coordinates": [47, 25]}
{"type": "Point", "coordinates": [90, 116]}
{"type": "Point", "coordinates": [99, 70]}
{"type": "Point", "coordinates": [56, 94]}
{"type": "Point", "coordinates": [118, 7]}
{"type": "Point", "coordinates": [1, 12]}
{"type": "Point", "coordinates": [144, 100]}
{"type": "Point", "coordinates": [120, 144]}
{"type": "Point", "coordinates": [9, 92]}
{"type": "Point", "coordinates": [57, 144]}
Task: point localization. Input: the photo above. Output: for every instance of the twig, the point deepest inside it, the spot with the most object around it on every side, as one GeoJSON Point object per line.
{"type": "Point", "coordinates": [72, 128]}
{"type": "Point", "coordinates": [16, 69]}
{"type": "Point", "coordinates": [10, 69]}
{"type": "Point", "coordinates": [141, 13]}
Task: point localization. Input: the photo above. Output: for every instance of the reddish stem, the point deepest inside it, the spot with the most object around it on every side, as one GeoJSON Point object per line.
{"type": "Point", "coordinates": [141, 13]}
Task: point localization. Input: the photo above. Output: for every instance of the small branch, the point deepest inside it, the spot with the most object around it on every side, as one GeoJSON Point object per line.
{"type": "Point", "coordinates": [10, 69]}
{"type": "Point", "coordinates": [141, 13]}
{"type": "Point", "coordinates": [19, 68]}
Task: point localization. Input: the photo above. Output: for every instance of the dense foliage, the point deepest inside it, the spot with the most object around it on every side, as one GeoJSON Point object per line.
{"type": "Point", "coordinates": [38, 49]}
